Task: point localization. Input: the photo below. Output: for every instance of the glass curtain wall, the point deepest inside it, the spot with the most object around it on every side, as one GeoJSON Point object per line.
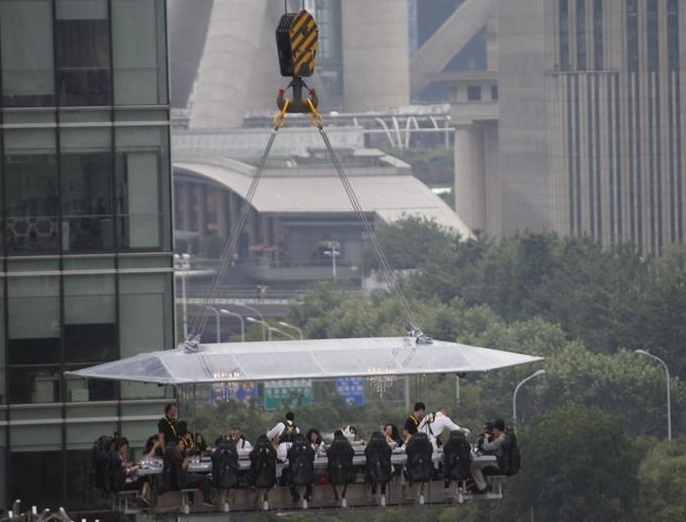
{"type": "Point", "coordinates": [85, 233]}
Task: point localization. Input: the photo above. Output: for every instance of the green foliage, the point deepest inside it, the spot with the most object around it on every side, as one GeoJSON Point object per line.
{"type": "Point", "coordinates": [578, 466]}
{"type": "Point", "coordinates": [662, 482]}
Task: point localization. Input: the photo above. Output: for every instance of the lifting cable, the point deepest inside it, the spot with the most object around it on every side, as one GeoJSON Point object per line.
{"type": "Point", "coordinates": [229, 251]}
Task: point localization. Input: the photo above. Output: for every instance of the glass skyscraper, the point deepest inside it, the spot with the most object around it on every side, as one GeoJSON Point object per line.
{"type": "Point", "coordinates": [86, 235]}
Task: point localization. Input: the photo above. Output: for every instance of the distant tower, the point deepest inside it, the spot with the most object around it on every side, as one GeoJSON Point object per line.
{"type": "Point", "coordinates": [222, 91]}
{"type": "Point", "coordinates": [376, 54]}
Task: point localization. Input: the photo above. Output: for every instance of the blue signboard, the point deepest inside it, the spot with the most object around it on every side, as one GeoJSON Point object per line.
{"type": "Point", "coordinates": [351, 390]}
{"type": "Point", "coordinates": [244, 392]}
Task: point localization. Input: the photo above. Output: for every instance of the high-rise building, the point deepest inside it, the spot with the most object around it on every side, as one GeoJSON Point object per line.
{"type": "Point", "coordinates": [86, 234]}
{"type": "Point", "coordinates": [592, 118]}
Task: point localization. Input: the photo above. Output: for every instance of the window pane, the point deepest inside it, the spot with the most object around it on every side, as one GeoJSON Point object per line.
{"type": "Point", "coordinates": [89, 319]}
{"type": "Point", "coordinates": [31, 190]}
{"type": "Point", "coordinates": [139, 52]}
{"type": "Point", "coordinates": [33, 339]}
{"type": "Point", "coordinates": [27, 53]}
{"type": "Point", "coordinates": [86, 162]}
{"type": "Point", "coordinates": [143, 205]}
{"type": "Point", "coordinates": [36, 477]}
{"type": "Point", "coordinates": [80, 494]}
{"type": "Point", "coordinates": [83, 52]}
{"type": "Point", "coordinates": [3, 397]}
{"type": "Point", "coordinates": [145, 322]}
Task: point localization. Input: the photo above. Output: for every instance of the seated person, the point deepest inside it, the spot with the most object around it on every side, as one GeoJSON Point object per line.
{"type": "Point", "coordinates": [300, 467]}
{"type": "Point", "coordinates": [176, 475]}
{"type": "Point", "coordinates": [200, 443]}
{"type": "Point", "coordinates": [239, 439]}
{"type": "Point", "coordinates": [496, 447]}
{"type": "Point", "coordinates": [485, 436]}
{"type": "Point", "coordinates": [124, 473]}
{"type": "Point", "coordinates": [392, 436]}
{"type": "Point", "coordinates": [187, 437]}
{"type": "Point", "coordinates": [378, 469]}
{"type": "Point", "coordinates": [435, 424]}
{"type": "Point", "coordinates": [262, 473]}
{"type": "Point", "coordinates": [316, 442]}
{"type": "Point", "coordinates": [153, 449]}
{"type": "Point", "coordinates": [350, 433]}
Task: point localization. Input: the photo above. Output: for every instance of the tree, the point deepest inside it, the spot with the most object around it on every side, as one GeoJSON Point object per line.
{"type": "Point", "coordinates": [662, 481]}
{"type": "Point", "coordinates": [577, 466]}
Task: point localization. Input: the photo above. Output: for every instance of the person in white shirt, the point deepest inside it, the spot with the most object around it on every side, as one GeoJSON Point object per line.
{"type": "Point", "coordinates": [435, 424]}
{"type": "Point", "coordinates": [281, 435]}
{"type": "Point", "coordinates": [239, 439]}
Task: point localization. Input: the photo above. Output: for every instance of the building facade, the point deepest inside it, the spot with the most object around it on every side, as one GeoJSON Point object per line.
{"type": "Point", "coordinates": [86, 234]}
{"type": "Point", "coordinates": [592, 118]}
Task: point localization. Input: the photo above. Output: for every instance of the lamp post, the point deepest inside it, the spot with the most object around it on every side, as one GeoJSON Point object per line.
{"type": "Point", "coordinates": [272, 329]}
{"type": "Point", "coordinates": [218, 322]}
{"type": "Point", "coordinates": [669, 398]}
{"type": "Point", "coordinates": [239, 317]}
{"type": "Point", "coordinates": [287, 325]}
{"type": "Point", "coordinates": [182, 263]}
{"type": "Point", "coordinates": [265, 327]}
{"type": "Point", "coordinates": [333, 253]}
{"type": "Point", "coordinates": [259, 314]}
{"type": "Point", "coordinates": [514, 396]}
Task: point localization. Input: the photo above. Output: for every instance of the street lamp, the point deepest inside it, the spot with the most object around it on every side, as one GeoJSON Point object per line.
{"type": "Point", "coordinates": [265, 327]}
{"type": "Point", "coordinates": [287, 325]}
{"type": "Point", "coordinates": [183, 264]}
{"type": "Point", "coordinates": [218, 322]}
{"type": "Point", "coordinates": [514, 396]}
{"type": "Point", "coordinates": [272, 329]}
{"type": "Point", "coordinates": [669, 398]}
{"type": "Point", "coordinates": [333, 253]}
{"type": "Point", "coordinates": [240, 318]}
{"type": "Point", "coordinates": [256, 311]}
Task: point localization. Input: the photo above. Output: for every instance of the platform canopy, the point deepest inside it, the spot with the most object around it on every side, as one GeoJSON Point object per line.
{"type": "Point", "coordinates": [304, 359]}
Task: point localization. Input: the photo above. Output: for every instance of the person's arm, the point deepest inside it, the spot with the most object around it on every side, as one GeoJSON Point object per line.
{"type": "Point", "coordinates": [494, 445]}
{"type": "Point", "coordinates": [247, 445]}
{"type": "Point", "coordinates": [448, 423]}
{"type": "Point", "coordinates": [276, 431]}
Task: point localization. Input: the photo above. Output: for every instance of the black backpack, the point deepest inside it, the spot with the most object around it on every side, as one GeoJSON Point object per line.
{"type": "Point", "coordinates": [457, 456]}
{"type": "Point", "coordinates": [101, 464]}
{"type": "Point", "coordinates": [511, 460]}
{"type": "Point", "coordinates": [225, 465]}
{"type": "Point", "coordinates": [288, 432]}
{"type": "Point", "coordinates": [262, 464]}
{"type": "Point", "coordinates": [419, 451]}
{"type": "Point", "coordinates": [378, 456]}
{"type": "Point", "coordinates": [300, 462]}
{"type": "Point", "coordinates": [340, 469]}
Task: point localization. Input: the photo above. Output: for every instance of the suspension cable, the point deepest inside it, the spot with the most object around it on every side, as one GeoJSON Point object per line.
{"type": "Point", "coordinates": [230, 249]}
{"type": "Point", "coordinates": [386, 269]}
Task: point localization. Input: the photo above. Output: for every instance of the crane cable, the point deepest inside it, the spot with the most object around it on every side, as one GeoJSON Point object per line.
{"type": "Point", "coordinates": [386, 269]}
{"type": "Point", "coordinates": [193, 340]}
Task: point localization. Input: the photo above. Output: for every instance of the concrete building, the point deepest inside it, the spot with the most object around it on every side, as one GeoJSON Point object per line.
{"type": "Point", "coordinates": [299, 207]}
{"type": "Point", "coordinates": [591, 121]}
{"type": "Point", "coordinates": [86, 235]}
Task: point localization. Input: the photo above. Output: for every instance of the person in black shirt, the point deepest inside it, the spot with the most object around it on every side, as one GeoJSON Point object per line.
{"type": "Point", "coordinates": [177, 469]}
{"type": "Point", "coordinates": [413, 420]}
{"type": "Point", "coordinates": [167, 427]}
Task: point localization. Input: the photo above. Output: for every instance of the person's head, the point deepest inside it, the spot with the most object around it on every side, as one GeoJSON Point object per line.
{"type": "Point", "coordinates": [314, 437]}
{"type": "Point", "coordinates": [180, 445]}
{"type": "Point", "coordinates": [337, 433]}
{"type": "Point", "coordinates": [443, 411]}
{"type": "Point", "coordinates": [498, 427]}
{"type": "Point", "coordinates": [391, 431]}
{"type": "Point", "coordinates": [170, 410]}
{"type": "Point", "coordinates": [199, 439]}
{"type": "Point", "coordinates": [290, 416]}
{"type": "Point", "coordinates": [183, 427]}
{"type": "Point", "coordinates": [488, 428]}
{"type": "Point", "coordinates": [236, 433]}
{"type": "Point", "coordinates": [123, 447]}
{"type": "Point", "coordinates": [419, 409]}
